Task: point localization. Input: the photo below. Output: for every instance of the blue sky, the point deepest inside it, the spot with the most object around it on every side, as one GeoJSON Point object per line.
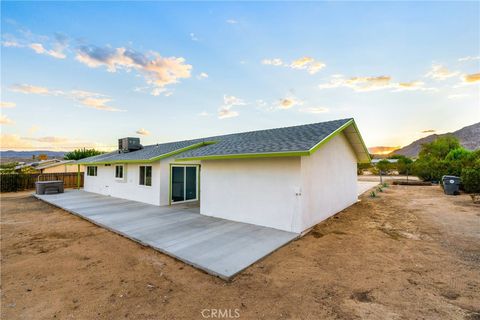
{"type": "Point", "coordinates": [84, 74]}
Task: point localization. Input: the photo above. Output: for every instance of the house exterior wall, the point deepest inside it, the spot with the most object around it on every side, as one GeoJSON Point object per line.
{"type": "Point", "coordinates": [128, 188]}
{"type": "Point", "coordinates": [62, 168]}
{"type": "Point", "coordinates": [257, 191]}
{"type": "Point", "coordinates": [329, 181]}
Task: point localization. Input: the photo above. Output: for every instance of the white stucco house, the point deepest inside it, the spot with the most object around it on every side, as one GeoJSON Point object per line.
{"type": "Point", "coordinates": [286, 178]}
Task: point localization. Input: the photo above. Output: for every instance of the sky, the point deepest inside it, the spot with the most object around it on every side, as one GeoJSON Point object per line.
{"type": "Point", "coordinates": [83, 74]}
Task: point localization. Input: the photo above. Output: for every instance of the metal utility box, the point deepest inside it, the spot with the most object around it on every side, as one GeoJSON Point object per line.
{"type": "Point", "coordinates": [129, 144]}
{"type": "Point", "coordinates": [451, 185]}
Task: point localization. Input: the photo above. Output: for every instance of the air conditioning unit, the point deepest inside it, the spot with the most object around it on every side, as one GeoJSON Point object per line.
{"type": "Point", "coordinates": [129, 144]}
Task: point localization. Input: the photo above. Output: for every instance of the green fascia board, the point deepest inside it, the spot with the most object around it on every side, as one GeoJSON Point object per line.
{"type": "Point", "coordinates": [330, 136]}
{"type": "Point", "coordinates": [283, 154]}
{"type": "Point", "coordinates": [154, 159]}
{"type": "Point", "coordinates": [363, 144]}
{"type": "Point", "coordinates": [248, 155]}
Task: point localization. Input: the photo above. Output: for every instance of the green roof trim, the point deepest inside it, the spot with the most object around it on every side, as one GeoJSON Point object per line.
{"type": "Point", "coordinates": [339, 130]}
{"type": "Point", "coordinates": [247, 155]}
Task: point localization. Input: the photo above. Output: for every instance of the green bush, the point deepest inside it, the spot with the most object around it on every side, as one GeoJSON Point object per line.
{"type": "Point", "coordinates": [471, 179]}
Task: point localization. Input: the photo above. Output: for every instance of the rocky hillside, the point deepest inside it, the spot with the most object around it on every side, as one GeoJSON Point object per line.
{"type": "Point", "coordinates": [469, 138]}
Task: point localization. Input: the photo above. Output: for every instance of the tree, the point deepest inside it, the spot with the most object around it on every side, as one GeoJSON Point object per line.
{"type": "Point", "coordinates": [439, 148]}
{"type": "Point", "coordinates": [471, 179]}
{"type": "Point", "coordinates": [384, 165]}
{"type": "Point", "coordinates": [81, 153]}
{"type": "Point", "coordinates": [431, 164]}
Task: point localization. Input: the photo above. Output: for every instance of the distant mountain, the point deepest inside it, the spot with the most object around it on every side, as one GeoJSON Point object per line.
{"type": "Point", "coordinates": [469, 138]}
{"type": "Point", "coordinates": [29, 154]}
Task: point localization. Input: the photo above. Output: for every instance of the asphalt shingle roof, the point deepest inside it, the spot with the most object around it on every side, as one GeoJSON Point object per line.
{"type": "Point", "coordinates": [289, 139]}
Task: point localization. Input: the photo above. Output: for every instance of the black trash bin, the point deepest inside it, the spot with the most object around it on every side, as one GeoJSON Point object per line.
{"type": "Point", "coordinates": [451, 185]}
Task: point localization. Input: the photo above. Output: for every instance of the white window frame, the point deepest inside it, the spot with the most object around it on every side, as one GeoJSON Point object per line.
{"type": "Point", "coordinates": [95, 171]}
{"type": "Point", "coordinates": [145, 176]}
{"type": "Point", "coordinates": [197, 166]}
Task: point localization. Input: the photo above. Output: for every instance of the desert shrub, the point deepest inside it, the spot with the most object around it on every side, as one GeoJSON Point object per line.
{"type": "Point", "coordinates": [471, 179]}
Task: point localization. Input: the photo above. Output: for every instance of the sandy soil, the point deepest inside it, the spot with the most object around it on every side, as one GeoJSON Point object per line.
{"type": "Point", "coordinates": [411, 253]}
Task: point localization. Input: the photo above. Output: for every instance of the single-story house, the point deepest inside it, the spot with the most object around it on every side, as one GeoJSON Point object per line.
{"type": "Point", "coordinates": [286, 178]}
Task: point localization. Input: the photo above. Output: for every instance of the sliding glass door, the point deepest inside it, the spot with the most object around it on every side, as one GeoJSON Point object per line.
{"type": "Point", "coordinates": [184, 183]}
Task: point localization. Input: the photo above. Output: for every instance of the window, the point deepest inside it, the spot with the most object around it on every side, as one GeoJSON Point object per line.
{"type": "Point", "coordinates": [119, 172]}
{"type": "Point", "coordinates": [92, 171]}
{"type": "Point", "coordinates": [145, 175]}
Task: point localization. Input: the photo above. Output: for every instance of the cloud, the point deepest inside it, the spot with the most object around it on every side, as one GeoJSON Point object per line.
{"type": "Point", "coordinates": [232, 101]}
{"type": "Point", "coordinates": [5, 104]}
{"type": "Point", "coordinates": [411, 86]}
{"type": "Point", "coordinates": [33, 129]}
{"type": "Point", "coordinates": [11, 44]}
{"type": "Point", "coordinates": [440, 72]}
{"type": "Point", "coordinates": [39, 48]}
{"type": "Point", "coordinates": [143, 132]}
{"type": "Point", "coordinates": [228, 103]}
{"type": "Point", "coordinates": [15, 142]}
{"type": "Point", "coordinates": [225, 112]}
{"type": "Point", "coordinates": [309, 64]}
{"type": "Point", "coordinates": [428, 131]}
{"type": "Point", "coordinates": [193, 37]}
{"type": "Point", "coordinates": [273, 62]}
{"type": "Point", "coordinates": [49, 139]}
{"type": "Point", "coordinates": [29, 89]}
{"type": "Point", "coordinates": [314, 110]}
{"type": "Point", "coordinates": [158, 71]}
{"type": "Point", "coordinates": [471, 78]}
{"type": "Point", "coordinates": [88, 99]}
{"type": "Point", "coordinates": [457, 96]}
{"type": "Point", "coordinates": [289, 102]}
{"type": "Point", "coordinates": [202, 75]}
{"type": "Point", "coordinates": [469, 58]}
{"type": "Point", "coordinates": [97, 103]}
{"type": "Point", "coordinates": [6, 120]}
{"type": "Point", "coordinates": [231, 21]}
{"type": "Point", "coordinates": [204, 114]}
{"type": "Point", "coordinates": [365, 84]}
{"type": "Point", "coordinates": [54, 47]}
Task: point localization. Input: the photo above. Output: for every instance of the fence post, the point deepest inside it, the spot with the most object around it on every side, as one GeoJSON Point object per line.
{"type": "Point", "coordinates": [78, 176]}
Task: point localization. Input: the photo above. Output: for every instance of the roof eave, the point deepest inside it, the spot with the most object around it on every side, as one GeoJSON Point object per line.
{"type": "Point", "coordinates": [150, 160]}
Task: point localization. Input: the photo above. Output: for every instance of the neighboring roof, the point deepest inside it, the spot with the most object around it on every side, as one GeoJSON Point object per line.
{"type": "Point", "coordinates": [289, 141]}
{"type": "Point", "coordinates": [37, 164]}
{"type": "Point", "coordinates": [53, 164]}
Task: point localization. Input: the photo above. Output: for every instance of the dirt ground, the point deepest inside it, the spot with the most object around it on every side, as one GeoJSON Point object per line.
{"type": "Point", "coordinates": [411, 253]}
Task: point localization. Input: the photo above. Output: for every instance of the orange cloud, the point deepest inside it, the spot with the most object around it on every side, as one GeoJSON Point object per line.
{"type": "Point", "coordinates": [471, 78]}
{"type": "Point", "coordinates": [382, 149]}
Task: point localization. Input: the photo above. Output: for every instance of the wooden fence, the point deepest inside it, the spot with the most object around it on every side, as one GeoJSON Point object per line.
{"type": "Point", "coordinates": [17, 181]}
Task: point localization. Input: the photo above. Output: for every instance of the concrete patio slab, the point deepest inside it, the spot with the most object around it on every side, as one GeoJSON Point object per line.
{"type": "Point", "coordinates": [217, 246]}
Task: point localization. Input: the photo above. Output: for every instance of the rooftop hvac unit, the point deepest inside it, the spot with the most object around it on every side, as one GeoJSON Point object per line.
{"type": "Point", "coordinates": [129, 144]}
